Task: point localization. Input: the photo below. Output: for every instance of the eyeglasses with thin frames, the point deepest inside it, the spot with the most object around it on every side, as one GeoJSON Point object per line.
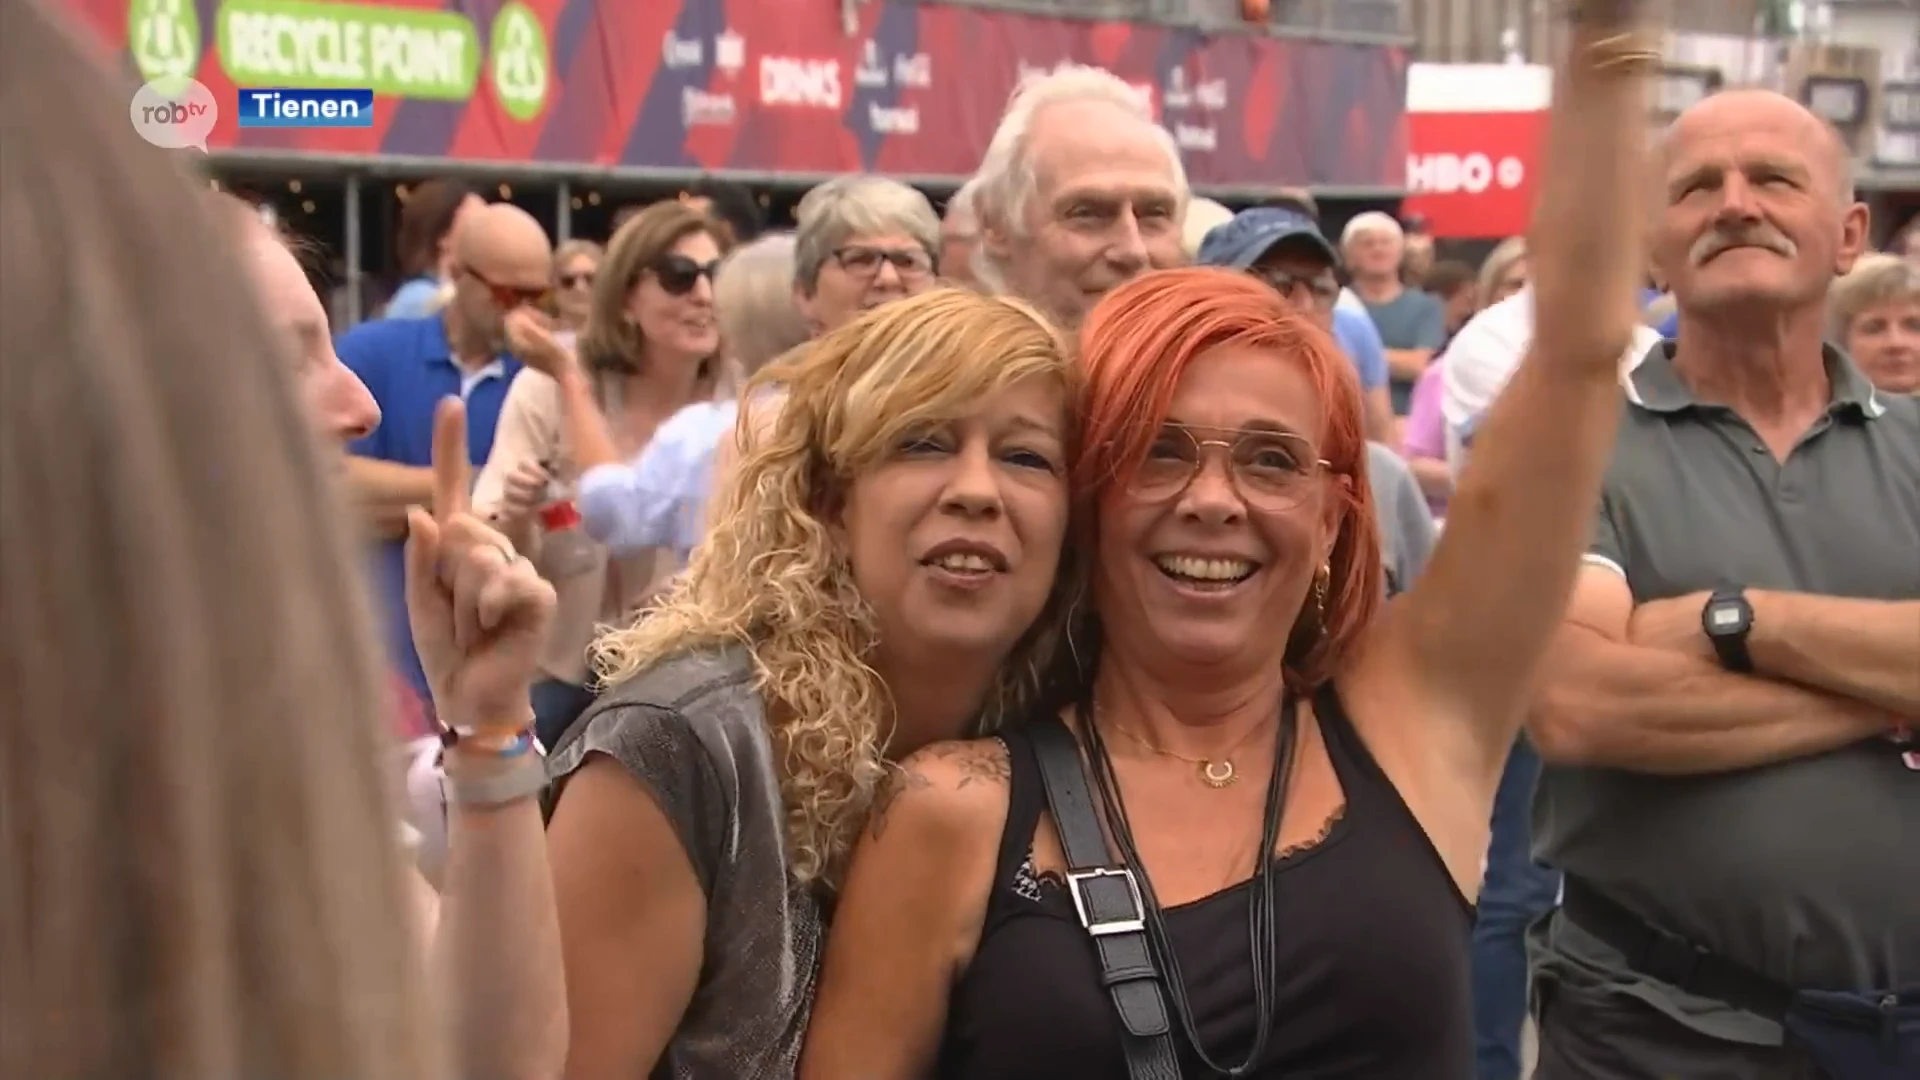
{"type": "Point", "coordinates": [863, 261]}
{"type": "Point", "coordinates": [1271, 470]}
{"type": "Point", "coordinates": [1322, 288]}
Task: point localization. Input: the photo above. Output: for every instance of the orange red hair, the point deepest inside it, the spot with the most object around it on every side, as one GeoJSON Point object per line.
{"type": "Point", "coordinates": [1134, 347]}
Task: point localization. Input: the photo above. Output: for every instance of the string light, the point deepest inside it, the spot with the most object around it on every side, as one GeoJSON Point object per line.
{"type": "Point", "coordinates": [506, 191]}
{"type": "Point", "coordinates": [293, 186]}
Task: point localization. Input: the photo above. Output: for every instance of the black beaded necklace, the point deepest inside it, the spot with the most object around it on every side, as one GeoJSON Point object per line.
{"type": "Point", "coordinates": [1261, 938]}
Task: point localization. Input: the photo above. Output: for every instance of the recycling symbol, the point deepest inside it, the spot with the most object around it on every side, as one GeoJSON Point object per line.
{"type": "Point", "coordinates": [519, 65]}
{"type": "Point", "coordinates": [164, 37]}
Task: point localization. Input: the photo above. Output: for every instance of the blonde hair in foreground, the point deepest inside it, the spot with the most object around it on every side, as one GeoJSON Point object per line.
{"type": "Point", "coordinates": [770, 576]}
{"type": "Point", "coordinates": [199, 870]}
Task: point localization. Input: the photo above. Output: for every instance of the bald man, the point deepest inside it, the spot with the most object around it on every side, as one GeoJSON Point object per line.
{"type": "Point", "coordinates": [501, 260]}
{"type": "Point", "coordinates": [1730, 788]}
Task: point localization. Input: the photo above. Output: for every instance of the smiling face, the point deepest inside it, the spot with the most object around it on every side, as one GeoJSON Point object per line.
{"type": "Point", "coordinates": [672, 302]}
{"type": "Point", "coordinates": [1105, 206]}
{"type": "Point", "coordinates": [955, 536]}
{"type": "Point", "coordinates": [1214, 572]}
{"type": "Point", "coordinates": [1755, 210]}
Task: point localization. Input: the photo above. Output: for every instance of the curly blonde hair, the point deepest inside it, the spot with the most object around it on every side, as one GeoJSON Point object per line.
{"type": "Point", "coordinates": [770, 576]}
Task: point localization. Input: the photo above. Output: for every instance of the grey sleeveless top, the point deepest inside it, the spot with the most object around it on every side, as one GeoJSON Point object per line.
{"type": "Point", "coordinates": [693, 732]}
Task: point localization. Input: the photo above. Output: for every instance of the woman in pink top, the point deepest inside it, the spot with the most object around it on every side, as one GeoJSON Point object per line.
{"type": "Point", "coordinates": [1423, 441]}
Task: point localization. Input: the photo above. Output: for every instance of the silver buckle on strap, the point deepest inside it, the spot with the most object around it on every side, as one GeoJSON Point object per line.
{"type": "Point", "coordinates": [1076, 883]}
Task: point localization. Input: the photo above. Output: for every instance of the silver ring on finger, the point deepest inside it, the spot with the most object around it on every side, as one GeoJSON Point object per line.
{"type": "Point", "coordinates": [508, 556]}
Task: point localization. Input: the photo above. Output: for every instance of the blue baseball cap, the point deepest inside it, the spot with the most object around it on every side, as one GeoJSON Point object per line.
{"type": "Point", "coordinates": [1240, 243]}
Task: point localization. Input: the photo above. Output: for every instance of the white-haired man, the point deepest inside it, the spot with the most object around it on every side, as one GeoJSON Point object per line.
{"type": "Point", "coordinates": [1412, 323]}
{"type": "Point", "coordinates": [1079, 191]}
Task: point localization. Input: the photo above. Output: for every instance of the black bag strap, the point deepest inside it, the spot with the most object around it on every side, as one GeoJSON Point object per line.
{"type": "Point", "coordinates": [1107, 898]}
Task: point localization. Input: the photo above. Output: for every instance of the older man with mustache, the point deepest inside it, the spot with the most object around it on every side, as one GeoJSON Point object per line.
{"type": "Point", "coordinates": [1731, 789]}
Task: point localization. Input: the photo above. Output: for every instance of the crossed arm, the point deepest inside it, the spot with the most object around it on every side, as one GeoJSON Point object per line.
{"type": "Point", "coordinates": [1866, 649]}
{"type": "Point", "coordinates": [1640, 689]}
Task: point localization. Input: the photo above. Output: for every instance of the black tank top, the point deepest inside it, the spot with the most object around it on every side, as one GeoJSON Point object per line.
{"type": "Point", "coordinates": [1372, 964]}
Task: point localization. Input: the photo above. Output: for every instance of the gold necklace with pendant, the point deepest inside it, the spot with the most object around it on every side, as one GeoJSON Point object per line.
{"type": "Point", "coordinates": [1214, 772]}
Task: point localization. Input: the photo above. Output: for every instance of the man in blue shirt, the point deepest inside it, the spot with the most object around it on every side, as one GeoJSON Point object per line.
{"type": "Point", "coordinates": [1286, 249]}
{"type": "Point", "coordinates": [503, 259]}
{"type": "Point", "coordinates": [1412, 323]}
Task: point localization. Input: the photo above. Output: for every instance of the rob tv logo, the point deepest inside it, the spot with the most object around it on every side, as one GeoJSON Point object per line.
{"type": "Point", "coordinates": [174, 117]}
{"type": "Point", "coordinates": [284, 108]}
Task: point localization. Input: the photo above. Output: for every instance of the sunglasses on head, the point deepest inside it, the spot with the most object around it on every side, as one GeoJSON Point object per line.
{"type": "Point", "coordinates": [678, 274]}
{"type": "Point", "coordinates": [508, 297]}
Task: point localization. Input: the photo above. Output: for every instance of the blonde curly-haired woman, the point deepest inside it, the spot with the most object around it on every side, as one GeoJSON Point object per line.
{"type": "Point", "coordinates": [882, 575]}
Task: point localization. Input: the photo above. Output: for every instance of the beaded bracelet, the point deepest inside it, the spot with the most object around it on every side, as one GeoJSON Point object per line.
{"type": "Point", "coordinates": [524, 772]}
{"type": "Point", "coordinates": [503, 744]}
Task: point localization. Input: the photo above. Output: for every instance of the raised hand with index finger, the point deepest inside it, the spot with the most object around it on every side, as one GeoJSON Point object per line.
{"type": "Point", "coordinates": [479, 613]}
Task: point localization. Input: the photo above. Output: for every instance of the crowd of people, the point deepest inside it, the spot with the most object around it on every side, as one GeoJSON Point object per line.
{"type": "Point", "coordinates": [1089, 632]}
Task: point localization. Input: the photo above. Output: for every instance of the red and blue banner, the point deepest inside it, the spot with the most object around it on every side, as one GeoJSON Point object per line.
{"type": "Point", "coordinates": [759, 86]}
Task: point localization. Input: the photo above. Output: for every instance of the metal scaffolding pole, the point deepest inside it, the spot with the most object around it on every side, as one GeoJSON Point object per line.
{"type": "Point", "coordinates": [353, 248]}
{"type": "Point", "coordinates": [563, 213]}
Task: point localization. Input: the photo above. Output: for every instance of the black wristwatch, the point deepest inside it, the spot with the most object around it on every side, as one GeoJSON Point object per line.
{"type": "Point", "coordinates": [1728, 619]}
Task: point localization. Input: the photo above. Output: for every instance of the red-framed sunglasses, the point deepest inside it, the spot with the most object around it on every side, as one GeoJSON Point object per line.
{"type": "Point", "coordinates": [508, 297]}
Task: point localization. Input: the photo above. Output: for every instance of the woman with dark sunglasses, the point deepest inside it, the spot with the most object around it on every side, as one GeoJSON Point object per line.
{"type": "Point", "coordinates": [650, 347]}
{"type": "Point", "coordinates": [574, 265]}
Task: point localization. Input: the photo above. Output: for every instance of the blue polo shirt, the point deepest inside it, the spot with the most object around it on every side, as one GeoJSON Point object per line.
{"type": "Point", "coordinates": [408, 366]}
{"type": "Point", "coordinates": [1356, 334]}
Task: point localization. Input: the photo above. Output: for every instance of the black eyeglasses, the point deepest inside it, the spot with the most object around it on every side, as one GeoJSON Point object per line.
{"type": "Point", "coordinates": [581, 278]}
{"type": "Point", "coordinates": [1322, 288]}
{"type": "Point", "coordinates": [863, 261]}
{"type": "Point", "coordinates": [678, 274]}
{"type": "Point", "coordinates": [1272, 470]}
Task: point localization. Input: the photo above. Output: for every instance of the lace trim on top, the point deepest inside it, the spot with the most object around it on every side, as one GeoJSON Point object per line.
{"type": "Point", "coordinates": [1031, 884]}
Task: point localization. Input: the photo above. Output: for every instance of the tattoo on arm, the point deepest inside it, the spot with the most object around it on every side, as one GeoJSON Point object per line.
{"type": "Point", "coordinates": [984, 762]}
{"type": "Point", "coordinates": [899, 781]}
{"type": "Point", "coordinates": [981, 762]}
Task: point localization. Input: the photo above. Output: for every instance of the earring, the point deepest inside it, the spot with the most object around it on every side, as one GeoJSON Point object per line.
{"type": "Point", "coordinates": [1320, 583]}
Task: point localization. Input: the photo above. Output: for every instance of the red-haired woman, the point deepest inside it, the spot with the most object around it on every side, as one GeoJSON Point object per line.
{"type": "Point", "coordinates": [1248, 845]}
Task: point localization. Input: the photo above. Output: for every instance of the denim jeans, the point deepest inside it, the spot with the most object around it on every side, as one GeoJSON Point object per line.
{"type": "Point", "coordinates": [1515, 892]}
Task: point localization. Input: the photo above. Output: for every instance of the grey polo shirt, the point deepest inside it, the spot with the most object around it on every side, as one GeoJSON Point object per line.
{"type": "Point", "coordinates": [1806, 871]}
{"type": "Point", "coordinates": [1407, 532]}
